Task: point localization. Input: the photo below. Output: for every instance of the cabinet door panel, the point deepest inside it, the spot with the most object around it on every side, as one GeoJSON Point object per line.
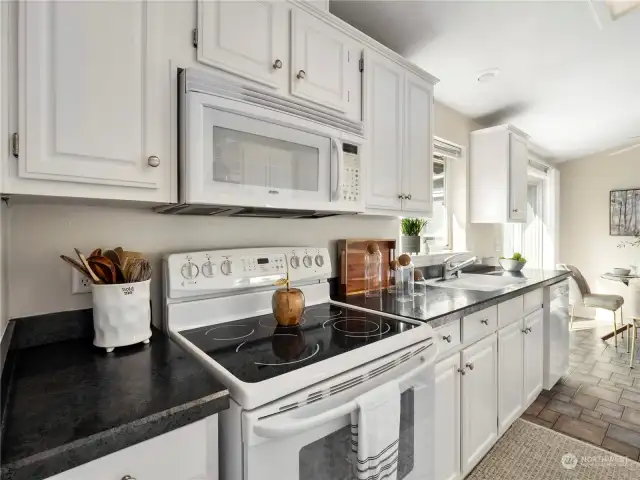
{"type": "Point", "coordinates": [91, 105]}
{"type": "Point", "coordinates": [447, 445]}
{"type": "Point", "coordinates": [479, 401]}
{"type": "Point", "coordinates": [246, 38]}
{"type": "Point", "coordinates": [325, 63]}
{"type": "Point", "coordinates": [510, 372]}
{"type": "Point", "coordinates": [385, 94]}
{"type": "Point", "coordinates": [518, 162]}
{"type": "Point", "coordinates": [533, 356]}
{"type": "Point", "coordinates": [417, 173]}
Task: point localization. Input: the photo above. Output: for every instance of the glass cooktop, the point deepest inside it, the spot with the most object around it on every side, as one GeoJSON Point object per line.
{"type": "Point", "coordinates": [256, 349]}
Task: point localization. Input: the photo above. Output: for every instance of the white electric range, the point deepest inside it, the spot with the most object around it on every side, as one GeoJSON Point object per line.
{"type": "Point", "coordinates": [293, 389]}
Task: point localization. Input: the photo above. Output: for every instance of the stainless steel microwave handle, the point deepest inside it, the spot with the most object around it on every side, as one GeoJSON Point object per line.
{"type": "Point", "coordinates": [282, 430]}
{"type": "Point", "coordinates": [335, 192]}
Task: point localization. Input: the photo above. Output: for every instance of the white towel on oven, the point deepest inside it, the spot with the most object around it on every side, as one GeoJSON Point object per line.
{"type": "Point", "coordinates": [375, 433]}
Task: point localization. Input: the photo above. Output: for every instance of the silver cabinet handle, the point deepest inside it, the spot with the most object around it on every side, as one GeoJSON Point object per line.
{"type": "Point", "coordinates": [461, 370]}
{"type": "Point", "coordinates": [301, 74]}
{"type": "Point", "coordinates": [515, 210]}
{"type": "Point", "coordinates": [470, 366]}
{"type": "Point", "coordinates": [153, 161]}
{"type": "Point", "coordinates": [447, 338]}
{"type": "Point", "coordinates": [401, 197]}
{"type": "Point", "coordinates": [277, 64]}
{"type": "Point", "coordinates": [525, 331]}
{"type": "Point", "coordinates": [408, 197]}
{"type": "Point", "coordinates": [128, 477]}
{"type": "Point", "coordinates": [485, 321]}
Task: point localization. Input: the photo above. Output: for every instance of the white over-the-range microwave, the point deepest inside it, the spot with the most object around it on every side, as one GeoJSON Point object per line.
{"type": "Point", "coordinates": [248, 152]}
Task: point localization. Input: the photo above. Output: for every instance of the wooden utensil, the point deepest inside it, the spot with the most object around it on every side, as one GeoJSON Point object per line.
{"type": "Point", "coordinates": [83, 259]}
{"type": "Point", "coordinates": [139, 270]}
{"type": "Point", "coordinates": [113, 256]}
{"type": "Point", "coordinates": [77, 266]}
{"type": "Point", "coordinates": [96, 253]}
{"type": "Point", "coordinates": [119, 251]}
{"type": "Point", "coordinates": [104, 268]}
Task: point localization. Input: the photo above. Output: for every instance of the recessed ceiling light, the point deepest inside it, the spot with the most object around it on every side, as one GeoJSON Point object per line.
{"type": "Point", "coordinates": [487, 75]}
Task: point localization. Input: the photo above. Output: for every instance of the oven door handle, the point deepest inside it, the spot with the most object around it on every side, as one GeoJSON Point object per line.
{"type": "Point", "coordinates": [337, 176]}
{"type": "Point", "coordinates": [282, 430]}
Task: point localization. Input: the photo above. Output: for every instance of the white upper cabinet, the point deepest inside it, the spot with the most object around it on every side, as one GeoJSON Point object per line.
{"type": "Point", "coordinates": [385, 94]}
{"type": "Point", "coordinates": [498, 175]}
{"type": "Point", "coordinates": [93, 99]}
{"type": "Point", "coordinates": [247, 38]}
{"type": "Point", "coordinates": [325, 64]}
{"type": "Point", "coordinates": [479, 401]}
{"type": "Point", "coordinates": [510, 373]}
{"type": "Point", "coordinates": [533, 356]}
{"type": "Point", "coordinates": [399, 123]}
{"type": "Point", "coordinates": [417, 179]}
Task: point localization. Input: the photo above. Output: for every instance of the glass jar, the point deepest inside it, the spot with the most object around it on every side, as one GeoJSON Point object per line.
{"type": "Point", "coordinates": [404, 283]}
{"type": "Point", "coordinates": [372, 274]}
{"type": "Point", "coordinates": [391, 280]}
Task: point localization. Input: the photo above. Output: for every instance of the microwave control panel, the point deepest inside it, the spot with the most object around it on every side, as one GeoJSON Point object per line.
{"type": "Point", "coordinates": [351, 176]}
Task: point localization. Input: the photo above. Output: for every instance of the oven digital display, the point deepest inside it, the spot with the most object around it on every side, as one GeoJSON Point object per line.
{"type": "Point", "coordinates": [262, 261]}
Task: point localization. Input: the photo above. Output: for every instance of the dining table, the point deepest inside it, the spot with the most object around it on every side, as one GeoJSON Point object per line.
{"type": "Point", "coordinates": [635, 304]}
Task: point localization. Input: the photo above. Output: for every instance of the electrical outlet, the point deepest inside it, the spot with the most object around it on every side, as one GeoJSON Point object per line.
{"type": "Point", "coordinates": [79, 283]}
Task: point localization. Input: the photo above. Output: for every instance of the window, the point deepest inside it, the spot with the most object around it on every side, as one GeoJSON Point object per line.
{"type": "Point", "coordinates": [438, 230]}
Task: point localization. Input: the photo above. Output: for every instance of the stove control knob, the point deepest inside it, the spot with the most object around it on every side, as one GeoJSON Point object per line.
{"type": "Point", "coordinates": [226, 267]}
{"type": "Point", "coordinates": [319, 260]}
{"type": "Point", "coordinates": [308, 261]}
{"type": "Point", "coordinates": [295, 261]}
{"type": "Point", "coordinates": [208, 269]}
{"type": "Point", "coordinates": [189, 270]}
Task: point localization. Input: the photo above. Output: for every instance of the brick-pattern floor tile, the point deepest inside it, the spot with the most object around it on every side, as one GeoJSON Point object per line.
{"type": "Point", "coordinates": [564, 408]}
{"type": "Point", "coordinates": [548, 415]}
{"type": "Point", "coordinates": [585, 401]}
{"type": "Point", "coordinates": [580, 429]}
{"type": "Point", "coordinates": [620, 448]}
{"type": "Point", "coordinates": [611, 394]}
{"type": "Point", "coordinates": [631, 415]}
{"type": "Point", "coordinates": [595, 421]}
{"type": "Point", "coordinates": [622, 435]}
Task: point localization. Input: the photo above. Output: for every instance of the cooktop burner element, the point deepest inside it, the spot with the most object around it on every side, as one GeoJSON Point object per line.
{"type": "Point", "coordinates": [256, 349]}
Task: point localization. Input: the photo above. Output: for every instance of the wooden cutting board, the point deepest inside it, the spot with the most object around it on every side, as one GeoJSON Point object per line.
{"type": "Point", "coordinates": [351, 252]}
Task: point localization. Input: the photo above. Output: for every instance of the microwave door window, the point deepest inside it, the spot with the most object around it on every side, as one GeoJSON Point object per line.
{"type": "Point", "coordinates": [331, 457]}
{"type": "Point", "coordinates": [239, 159]}
{"type": "Point", "coordinates": [293, 167]}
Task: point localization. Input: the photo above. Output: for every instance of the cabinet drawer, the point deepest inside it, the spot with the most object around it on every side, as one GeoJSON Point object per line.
{"type": "Point", "coordinates": [510, 311]}
{"type": "Point", "coordinates": [448, 336]}
{"type": "Point", "coordinates": [532, 301]}
{"type": "Point", "coordinates": [479, 324]}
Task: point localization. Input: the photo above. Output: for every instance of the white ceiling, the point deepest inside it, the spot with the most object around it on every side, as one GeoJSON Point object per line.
{"type": "Point", "coordinates": [571, 85]}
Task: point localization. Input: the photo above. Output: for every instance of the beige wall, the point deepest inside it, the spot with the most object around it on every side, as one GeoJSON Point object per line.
{"type": "Point", "coordinates": [584, 217]}
{"type": "Point", "coordinates": [38, 234]}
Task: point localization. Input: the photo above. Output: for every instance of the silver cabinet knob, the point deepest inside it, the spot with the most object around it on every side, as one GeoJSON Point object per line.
{"type": "Point", "coordinates": [470, 366]}
{"type": "Point", "coordinates": [128, 477]}
{"type": "Point", "coordinates": [408, 197]}
{"type": "Point", "coordinates": [277, 64]}
{"type": "Point", "coordinates": [301, 74]}
{"type": "Point", "coordinates": [447, 338]}
{"type": "Point", "coordinates": [485, 321]}
{"type": "Point", "coordinates": [153, 161]}
{"type": "Point", "coordinates": [461, 370]}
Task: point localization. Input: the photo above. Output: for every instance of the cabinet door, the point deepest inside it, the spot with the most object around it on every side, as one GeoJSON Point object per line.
{"type": "Point", "coordinates": [385, 96]}
{"type": "Point", "coordinates": [479, 401]}
{"type": "Point", "coordinates": [447, 433]}
{"type": "Point", "coordinates": [518, 162]}
{"type": "Point", "coordinates": [417, 168]}
{"type": "Point", "coordinates": [247, 38]}
{"type": "Point", "coordinates": [510, 368]}
{"type": "Point", "coordinates": [533, 356]}
{"type": "Point", "coordinates": [325, 63]}
{"type": "Point", "coordinates": [94, 98]}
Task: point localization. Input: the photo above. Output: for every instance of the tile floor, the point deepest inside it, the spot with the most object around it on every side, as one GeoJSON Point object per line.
{"type": "Point", "coordinates": [598, 401]}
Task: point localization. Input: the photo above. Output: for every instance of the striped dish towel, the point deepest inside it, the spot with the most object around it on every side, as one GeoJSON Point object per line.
{"type": "Point", "coordinates": [375, 433]}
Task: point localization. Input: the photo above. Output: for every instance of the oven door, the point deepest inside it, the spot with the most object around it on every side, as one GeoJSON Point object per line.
{"type": "Point", "coordinates": [240, 155]}
{"type": "Point", "coordinates": [313, 442]}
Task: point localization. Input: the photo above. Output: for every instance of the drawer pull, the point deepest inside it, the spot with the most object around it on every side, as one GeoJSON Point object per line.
{"type": "Point", "coordinates": [128, 477]}
{"type": "Point", "coordinates": [485, 321]}
{"type": "Point", "coordinates": [277, 64]}
{"type": "Point", "coordinates": [301, 75]}
{"type": "Point", "coordinates": [447, 338]}
{"type": "Point", "coordinates": [461, 370]}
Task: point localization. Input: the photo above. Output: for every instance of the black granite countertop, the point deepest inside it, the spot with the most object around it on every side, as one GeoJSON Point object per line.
{"type": "Point", "coordinates": [440, 306]}
{"type": "Point", "coordinates": [69, 402]}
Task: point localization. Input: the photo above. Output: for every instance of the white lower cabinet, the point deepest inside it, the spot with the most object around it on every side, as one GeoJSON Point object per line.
{"type": "Point", "coordinates": [510, 374]}
{"type": "Point", "coordinates": [533, 356]}
{"type": "Point", "coordinates": [447, 445]}
{"type": "Point", "coordinates": [187, 453]}
{"type": "Point", "coordinates": [479, 400]}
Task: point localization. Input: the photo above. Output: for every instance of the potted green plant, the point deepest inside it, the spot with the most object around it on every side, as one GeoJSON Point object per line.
{"type": "Point", "coordinates": [411, 228]}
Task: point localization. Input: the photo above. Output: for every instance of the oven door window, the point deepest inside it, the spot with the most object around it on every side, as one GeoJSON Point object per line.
{"type": "Point", "coordinates": [330, 457]}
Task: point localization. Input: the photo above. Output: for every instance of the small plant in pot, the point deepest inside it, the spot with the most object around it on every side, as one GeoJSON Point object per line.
{"type": "Point", "coordinates": [411, 228]}
{"type": "Point", "coordinates": [513, 264]}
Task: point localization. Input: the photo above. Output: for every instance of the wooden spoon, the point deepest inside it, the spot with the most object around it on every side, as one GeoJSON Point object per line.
{"type": "Point", "coordinates": [113, 256]}
{"type": "Point", "coordinates": [96, 253]}
{"type": "Point", "coordinates": [106, 268]}
{"type": "Point", "coordinates": [77, 266]}
{"type": "Point", "coordinates": [86, 266]}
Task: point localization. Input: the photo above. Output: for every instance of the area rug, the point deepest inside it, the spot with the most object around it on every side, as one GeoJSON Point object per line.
{"type": "Point", "coordinates": [531, 452]}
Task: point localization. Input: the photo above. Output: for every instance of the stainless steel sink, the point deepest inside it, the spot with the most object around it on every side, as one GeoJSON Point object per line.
{"type": "Point", "coordinates": [478, 282]}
